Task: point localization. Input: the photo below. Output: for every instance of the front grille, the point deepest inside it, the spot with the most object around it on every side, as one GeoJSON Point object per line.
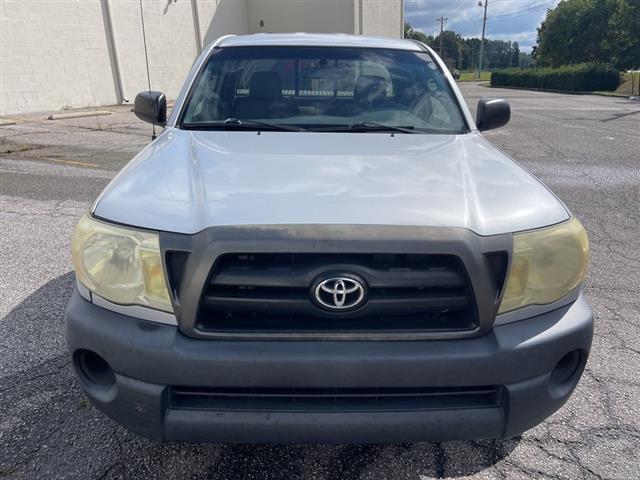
{"type": "Point", "coordinates": [332, 399]}
{"type": "Point", "coordinates": [272, 293]}
{"type": "Point", "coordinates": [176, 264]}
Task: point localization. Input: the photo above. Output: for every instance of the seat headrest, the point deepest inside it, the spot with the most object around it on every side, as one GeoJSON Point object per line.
{"type": "Point", "coordinates": [265, 85]}
{"type": "Point", "coordinates": [370, 89]}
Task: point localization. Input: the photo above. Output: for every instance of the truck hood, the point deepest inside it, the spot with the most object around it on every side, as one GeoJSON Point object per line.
{"type": "Point", "coordinates": [187, 181]}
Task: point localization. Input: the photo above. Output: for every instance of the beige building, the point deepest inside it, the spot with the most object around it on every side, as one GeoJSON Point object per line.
{"type": "Point", "coordinates": [80, 53]}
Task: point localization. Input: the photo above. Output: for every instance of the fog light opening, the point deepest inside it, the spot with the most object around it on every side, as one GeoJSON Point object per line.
{"type": "Point", "coordinates": [94, 368]}
{"type": "Point", "coordinates": [566, 373]}
{"type": "Point", "coordinates": [96, 376]}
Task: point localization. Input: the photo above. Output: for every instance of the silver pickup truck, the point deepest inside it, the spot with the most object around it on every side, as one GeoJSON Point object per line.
{"type": "Point", "coordinates": [321, 246]}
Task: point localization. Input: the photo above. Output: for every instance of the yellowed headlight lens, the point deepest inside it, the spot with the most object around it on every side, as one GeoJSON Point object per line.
{"type": "Point", "coordinates": [547, 264]}
{"type": "Point", "coordinates": [120, 264]}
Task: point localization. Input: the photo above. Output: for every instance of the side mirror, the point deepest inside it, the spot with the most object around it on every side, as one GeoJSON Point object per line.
{"type": "Point", "coordinates": [151, 107]}
{"type": "Point", "coordinates": [492, 113]}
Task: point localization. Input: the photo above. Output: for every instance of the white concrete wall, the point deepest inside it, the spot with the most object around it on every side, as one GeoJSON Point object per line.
{"type": "Point", "coordinates": [53, 55]}
{"type": "Point", "coordinates": [171, 44]}
{"type": "Point", "coordinates": [57, 54]}
{"type": "Point", "coordinates": [381, 18]}
{"type": "Point", "coordinates": [222, 17]}
{"type": "Point", "coordinates": [325, 16]}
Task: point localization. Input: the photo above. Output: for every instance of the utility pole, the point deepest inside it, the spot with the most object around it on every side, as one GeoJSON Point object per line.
{"type": "Point", "coordinates": [441, 20]}
{"type": "Point", "coordinates": [484, 26]}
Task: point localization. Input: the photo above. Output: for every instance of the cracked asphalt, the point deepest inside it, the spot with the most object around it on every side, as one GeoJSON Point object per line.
{"type": "Point", "coordinates": [585, 148]}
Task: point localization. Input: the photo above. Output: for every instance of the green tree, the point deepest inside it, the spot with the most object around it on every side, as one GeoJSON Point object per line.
{"type": "Point", "coordinates": [462, 53]}
{"type": "Point", "coordinates": [525, 60]}
{"type": "Point", "coordinates": [471, 53]}
{"type": "Point", "coordinates": [622, 42]}
{"type": "Point", "coordinates": [499, 54]}
{"type": "Point", "coordinates": [515, 54]}
{"type": "Point", "coordinates": [410, 32]}
{"type": "Point", "coordinates": [452, 47]}
{"type": "Point", "coordinates": [578, 31]}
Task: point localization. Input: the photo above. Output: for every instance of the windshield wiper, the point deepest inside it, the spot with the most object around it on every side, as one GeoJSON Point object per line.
{"type": "Point", "coordinates": [368, 127]}
{"type": "Point", "coordinates": [380, 126]}
{"type": "Point", "coordinates": [236, 123]}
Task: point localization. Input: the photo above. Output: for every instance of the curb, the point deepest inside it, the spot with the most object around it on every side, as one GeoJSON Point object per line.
{"type": "Point", "coordinates": [5, 122]}
{"type": "Point", "coordinates": [568, 92]}
{"type": "Point", "coordinates": [91, 113]}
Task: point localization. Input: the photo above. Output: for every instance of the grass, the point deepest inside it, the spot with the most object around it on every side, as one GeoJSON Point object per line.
{"type": "Point", "coordinates": [471, 76]}
{"type": "Point", "coordinates": [625, 84]}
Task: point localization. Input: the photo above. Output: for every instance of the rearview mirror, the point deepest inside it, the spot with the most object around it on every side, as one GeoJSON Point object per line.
{"type": "Point", "coordinates": [492, 113]}
{"type": "Point", "coordinates": [151, 107]}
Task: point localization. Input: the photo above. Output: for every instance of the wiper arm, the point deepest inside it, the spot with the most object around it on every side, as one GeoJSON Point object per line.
{"type": "Point", "coordinates": [236, 122]}
{"type": "Point", "coordinates": [366, 126]}
{"type": "Point", "coordinates": [380, 126]}
{"type": "Point", "coordinates": [231, 123]}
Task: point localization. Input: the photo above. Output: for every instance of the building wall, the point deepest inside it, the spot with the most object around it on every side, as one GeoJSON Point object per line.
{"type": "Point", "coordinates": [57, 54]}
{"type": "Point", "coordinates": [171, 44]}
{"type": "Point", "coordinates": [222, 17]}
{"type": "Point", "coordinates": [53, 55]}
{"type": "Point", "coordinates": [382, 18]}
{"type": "Point", "coordinates": [326, 16]}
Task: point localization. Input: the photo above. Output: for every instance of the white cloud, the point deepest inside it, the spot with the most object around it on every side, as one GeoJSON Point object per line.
{"type": "Point", "coordinates": [514, 20]}
{"type": "Point", "coordinates": [515, 37]}
{"type": "Point", "coordinates": [423, 13]}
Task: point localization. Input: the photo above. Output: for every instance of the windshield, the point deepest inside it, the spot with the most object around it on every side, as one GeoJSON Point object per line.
{"type": "Point", "coordinates": [322, 89]}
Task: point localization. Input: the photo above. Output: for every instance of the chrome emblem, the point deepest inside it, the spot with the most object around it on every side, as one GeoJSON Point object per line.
{"type": "Point", "coordinates": [340, 293]}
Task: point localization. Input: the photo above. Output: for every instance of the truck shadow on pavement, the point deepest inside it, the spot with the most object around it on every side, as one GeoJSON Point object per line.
{"type": "Point", "coordinates": [49, 429]}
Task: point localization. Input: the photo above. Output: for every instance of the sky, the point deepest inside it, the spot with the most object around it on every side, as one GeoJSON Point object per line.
{"type": "Point", "coordinates": [514, 20]}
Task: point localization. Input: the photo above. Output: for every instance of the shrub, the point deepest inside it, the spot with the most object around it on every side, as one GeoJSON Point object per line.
{"type": "Point", "coordinates": [584, 77]}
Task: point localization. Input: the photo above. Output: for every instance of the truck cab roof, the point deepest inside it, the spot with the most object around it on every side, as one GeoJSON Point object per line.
{"type": "Point", "coordinates": [317, 40]}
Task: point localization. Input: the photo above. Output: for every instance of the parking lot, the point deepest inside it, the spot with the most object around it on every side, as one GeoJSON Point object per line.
{"type": "Point", "coordinates": [585, 148]}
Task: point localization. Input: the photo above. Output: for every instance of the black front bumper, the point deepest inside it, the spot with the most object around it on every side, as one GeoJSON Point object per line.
{"type": "Point", "coordinates": [517, 361]}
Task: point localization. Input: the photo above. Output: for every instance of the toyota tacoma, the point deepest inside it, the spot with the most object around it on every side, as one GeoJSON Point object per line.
{"type": "Point", "coordinates": [321, 246]}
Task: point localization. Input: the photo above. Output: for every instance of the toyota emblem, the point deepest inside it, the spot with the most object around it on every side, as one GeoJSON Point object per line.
{"type": "Point", "coordinates": [340, 293]}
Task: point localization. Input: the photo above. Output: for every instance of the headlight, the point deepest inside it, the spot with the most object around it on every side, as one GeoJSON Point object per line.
{"type": "Point", "coordinates": [547, 264]}
{"type": "Point", "coordinates": [120, 264]}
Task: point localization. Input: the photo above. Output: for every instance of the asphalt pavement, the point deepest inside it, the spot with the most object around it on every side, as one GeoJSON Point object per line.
{"type": "Point", "coordinates": [585, 148]}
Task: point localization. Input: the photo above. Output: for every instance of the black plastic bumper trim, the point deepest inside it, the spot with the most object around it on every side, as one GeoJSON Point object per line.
{"type": "Point", "coordinates": [148, 358]}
